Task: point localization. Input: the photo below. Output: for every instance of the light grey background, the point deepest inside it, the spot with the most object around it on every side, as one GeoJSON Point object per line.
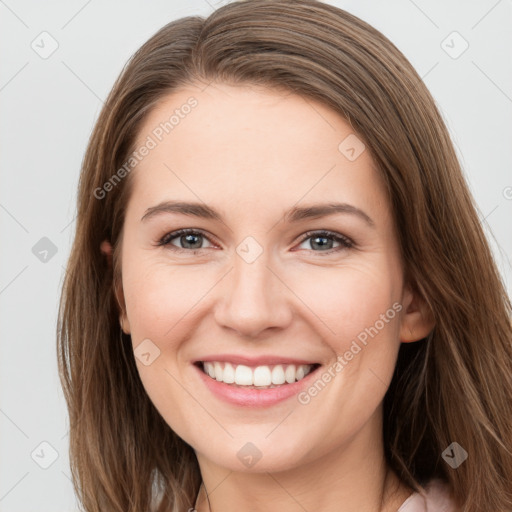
{"type": "Point", "coordinates": [49, 106]}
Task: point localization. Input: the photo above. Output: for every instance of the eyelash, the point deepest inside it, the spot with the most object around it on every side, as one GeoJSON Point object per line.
{"type": "Point", "coordinates": [346, 243]}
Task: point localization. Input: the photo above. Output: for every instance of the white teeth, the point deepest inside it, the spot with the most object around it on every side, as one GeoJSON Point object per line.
{"type": "Point", "coordinates": [290, 374]}
{"type": "Point", "coordinates": [218, 371]}
{"type": "Point", "coordinates": [261, 376]}
{"type": "Point", "coordinates": [229, 374]}
{"type": "Point", "coordinates": [210, 370]}
{"type": "Point", "coordinates": [278, 375]}
{"type": "Point", "coordinates": [243, 376]}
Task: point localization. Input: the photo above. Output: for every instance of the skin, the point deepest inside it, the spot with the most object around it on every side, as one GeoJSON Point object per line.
{"type": "Point", "coordinates": [252, 154]}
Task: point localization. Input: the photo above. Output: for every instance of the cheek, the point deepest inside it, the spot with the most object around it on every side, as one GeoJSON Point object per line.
{"type": "Point", "coordinates": [358, 314]}
{"type": "Point", "coordinates": [349, 299]}
{"type": "Point", "coordinates": [158, 296]}
{"type": "Point", "coordinates": [160, 304]}
{"type": "Point", "coordinates": [357, 310]}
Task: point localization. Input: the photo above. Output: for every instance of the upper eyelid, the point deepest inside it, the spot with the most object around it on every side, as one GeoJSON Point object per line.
{"type": "Point", "coordinates": [186, 231]}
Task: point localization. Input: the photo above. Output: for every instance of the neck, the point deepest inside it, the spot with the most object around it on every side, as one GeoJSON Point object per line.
{"type": "Point", "coordinates": [351, 478]}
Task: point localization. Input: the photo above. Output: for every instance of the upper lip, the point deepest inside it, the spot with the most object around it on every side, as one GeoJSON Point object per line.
{"type": "Point", "coordinates": [266, 360]}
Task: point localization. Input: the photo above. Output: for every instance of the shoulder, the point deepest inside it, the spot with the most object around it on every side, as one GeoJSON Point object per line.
{"type": "Point", "coordinates": [437, 498]}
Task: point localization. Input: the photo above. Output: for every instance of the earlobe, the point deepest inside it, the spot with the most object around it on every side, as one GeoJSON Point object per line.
{"type": "Point", "coordinates": [106, 249]}
{"type": "Point", "coordinates": [123, 321]}
{"type": "Point", "coordinates": [417, 319]}
{"type": "Point", "coordinates": [123, 317]}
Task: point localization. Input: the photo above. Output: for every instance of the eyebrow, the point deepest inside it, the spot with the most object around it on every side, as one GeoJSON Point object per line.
{"type": "Point", "coordinates": [295, 214]}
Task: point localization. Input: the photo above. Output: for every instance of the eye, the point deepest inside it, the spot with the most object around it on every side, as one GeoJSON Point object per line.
{"type": "Point", "coordinates": [190, 239]}
{"type": "Point", "coordinates": [324, 240]}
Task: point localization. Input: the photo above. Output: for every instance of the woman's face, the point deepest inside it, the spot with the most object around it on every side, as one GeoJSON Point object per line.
{"type": "Point", "coordinates": [257, 284]}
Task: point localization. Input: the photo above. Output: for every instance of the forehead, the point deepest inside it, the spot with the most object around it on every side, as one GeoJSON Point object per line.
{"type": "Point", "coordinates": [253, 142]}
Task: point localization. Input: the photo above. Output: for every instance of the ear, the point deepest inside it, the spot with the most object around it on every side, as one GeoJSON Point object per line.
{"type": "Point", "coordinates": [106, 249]}
{"type": "Point", "coordinates": [417, 318]}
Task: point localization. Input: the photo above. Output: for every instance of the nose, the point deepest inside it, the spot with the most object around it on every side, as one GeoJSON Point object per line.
{"type": "Point", "coordinates": [253, 298]}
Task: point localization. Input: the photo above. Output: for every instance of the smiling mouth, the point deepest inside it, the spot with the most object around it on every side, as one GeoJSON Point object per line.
{"type": "Point", "coordinates": [259, 377]}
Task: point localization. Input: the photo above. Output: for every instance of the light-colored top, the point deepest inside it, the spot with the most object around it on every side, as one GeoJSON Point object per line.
{"type": "Point", "coordinates": [436, 499]}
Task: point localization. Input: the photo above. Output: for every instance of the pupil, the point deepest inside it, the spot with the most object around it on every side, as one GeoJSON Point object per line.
{"type": "Point", "coordinates": [322, 245]}
{"type": "Point", "coordinates": [190, 239]}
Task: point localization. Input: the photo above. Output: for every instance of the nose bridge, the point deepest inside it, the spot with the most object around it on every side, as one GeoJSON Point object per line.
{"type": "Point", "coordinates": [253, 297]}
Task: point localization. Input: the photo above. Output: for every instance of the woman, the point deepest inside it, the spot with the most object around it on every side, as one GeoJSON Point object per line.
{"type": "Point", "coordinates": [248, 371]}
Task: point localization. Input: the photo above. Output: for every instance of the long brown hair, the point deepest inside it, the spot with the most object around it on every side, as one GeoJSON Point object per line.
{"type": "Point", "coordinates": [454, 386]}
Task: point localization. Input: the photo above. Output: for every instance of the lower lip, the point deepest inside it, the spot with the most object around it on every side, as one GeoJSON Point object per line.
{"type": "Point", "coordinates": [252, 397]}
